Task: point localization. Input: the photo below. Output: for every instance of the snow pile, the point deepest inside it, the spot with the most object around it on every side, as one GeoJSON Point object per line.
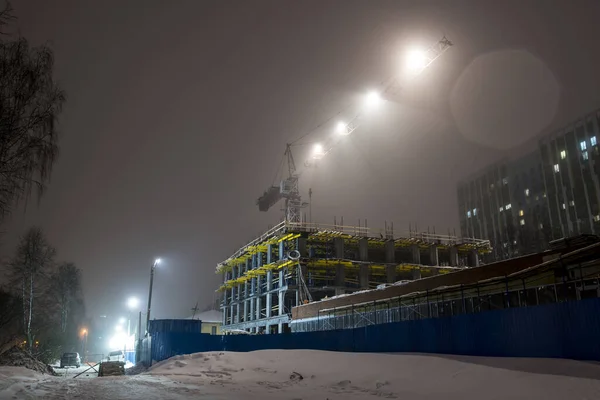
{"type": "Point", "coordinates": [16, 383]}
{"type": "Point", "coordinates": [17, 357]}
{"type": "Point", "coordinates": [334, 375]}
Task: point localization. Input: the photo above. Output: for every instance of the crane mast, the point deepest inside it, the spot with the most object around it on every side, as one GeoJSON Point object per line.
{"type": "Point", "coordinates": [288, 188]}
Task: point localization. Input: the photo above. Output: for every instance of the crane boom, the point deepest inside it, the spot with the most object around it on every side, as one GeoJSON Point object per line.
{"type": "Point", "coordinates": [288, 187]}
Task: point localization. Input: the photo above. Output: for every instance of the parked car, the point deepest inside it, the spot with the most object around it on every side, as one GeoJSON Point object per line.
{"type": "Point", "coordinates": [70, 360]}
{"type": "Point", "coordinates": [116, 356]}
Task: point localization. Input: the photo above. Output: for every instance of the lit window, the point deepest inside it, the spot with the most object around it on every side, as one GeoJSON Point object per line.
{"type": "Point", "coordinates": [537, 198]}
{"type": "Point", "coordinates": [501, 209]}
{"type": "Point", "coordinates": [597, 218]}
{"type": "Point", "coordinates": [544, 195]}
{"type": "Point", "coordinates": [492, 186]}
{"type": "Point", "coordinates": [475, 212]}
{"type": "Point", "coordinates": [585, 155]}
{"type": "Point", "coordinates": [505, 244]}
{"type": "Point", "coordinates": [507, 207]}
{"type": "Point", "coordinates": [468, 214]}
{"type": "Point", "coordinates": [563, 155]}
{"type": "Point", "coordinates": [593, 140]}
{"type": "Point", "coordinates": [556, 168]}
{"type": "Point", "coordinates": [514, 242]}
{"type": "Point", "coordinates": [541, 226]}
{"type": "Point", "coordinates": [564, 206]}
{"type": "Point", "coordinates": [527, 192]}
{"type": "Point", "coordinates": [505, 181]}
{"type": "Point", "coordinates": [521, 213]}
{"type": "Point", "coordinates": [522, 222]}
{"type": "Point", "coordinates": [572, 203]}
{"type": "Point", "coordinates": [583, 145]}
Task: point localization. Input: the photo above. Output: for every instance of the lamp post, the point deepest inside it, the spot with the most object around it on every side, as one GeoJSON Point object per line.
{"type": "Point", "coordinates": [84, 335]}
{"type": "Point", "coordinates": [156, 262]}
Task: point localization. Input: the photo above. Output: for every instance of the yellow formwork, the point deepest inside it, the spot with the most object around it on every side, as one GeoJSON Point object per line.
{"type": "Point", "coordinates": [320, 267]}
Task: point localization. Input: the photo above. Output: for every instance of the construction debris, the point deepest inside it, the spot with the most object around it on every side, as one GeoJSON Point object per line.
{"type": "Point", "coordinates": [18, 357]}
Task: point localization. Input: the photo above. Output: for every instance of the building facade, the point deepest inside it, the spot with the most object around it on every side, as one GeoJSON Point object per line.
{"type": "Point", "coordinates": [522, 204]}
{"type": "Point", "coordinates": [299, 263]}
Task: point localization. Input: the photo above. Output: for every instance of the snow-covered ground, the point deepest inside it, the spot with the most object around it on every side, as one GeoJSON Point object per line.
{"type": "Point", "coordinates": [275, 374]}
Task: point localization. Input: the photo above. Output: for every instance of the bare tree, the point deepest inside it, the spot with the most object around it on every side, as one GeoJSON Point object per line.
{"type": "Point", "coordinates": [32, 263]}
{"type": "Point", "coordinates": [30, 102]}
{"type": "Point", "coordinates": [66, 289]}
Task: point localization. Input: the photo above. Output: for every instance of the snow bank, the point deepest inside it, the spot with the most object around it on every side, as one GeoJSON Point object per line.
{"type": "Point", "coordinates": [15, 383]}
{"type": "Point", "coordinates": [332, 375]}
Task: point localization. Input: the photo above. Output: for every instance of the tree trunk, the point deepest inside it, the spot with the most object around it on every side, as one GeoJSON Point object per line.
{"type": "Point", "coordinates": [29, 336]}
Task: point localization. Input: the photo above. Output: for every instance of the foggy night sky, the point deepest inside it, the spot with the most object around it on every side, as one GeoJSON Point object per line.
{"type": "Point", "coordinates": [178, 112]}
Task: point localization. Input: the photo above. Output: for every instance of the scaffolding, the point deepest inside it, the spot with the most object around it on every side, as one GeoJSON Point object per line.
{"type": "Point", "coordinates": [297, 262]}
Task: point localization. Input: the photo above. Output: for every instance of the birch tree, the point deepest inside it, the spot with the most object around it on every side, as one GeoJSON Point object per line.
{"type": "Point", "coordinates": [30, 102]}
{"type": "Point", "coordinates": [66, 289]}
{"type": "Point", "coordinates": [29, 270]}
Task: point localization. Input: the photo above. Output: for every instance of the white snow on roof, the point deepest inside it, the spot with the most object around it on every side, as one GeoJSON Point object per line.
{"type": "Point", "coordinates": [208, 316]}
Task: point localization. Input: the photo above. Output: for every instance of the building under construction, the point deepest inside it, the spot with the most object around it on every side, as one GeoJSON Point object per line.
{"type": "Point", "coordinates": [296, 263]}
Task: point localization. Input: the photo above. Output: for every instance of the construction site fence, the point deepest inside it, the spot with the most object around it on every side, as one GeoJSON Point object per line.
{"type": "Point", "coordinates": [437, 305]}
{"type": "Point", "coordinates": [559, 330]}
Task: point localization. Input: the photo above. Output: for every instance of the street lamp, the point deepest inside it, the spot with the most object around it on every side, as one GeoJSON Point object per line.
{"type": "Point", "coordinates": [132, 303]}
{"type": "Point", "coordinates": [156, 262]}
{"type": "Point", "coordinates": [84, 335]}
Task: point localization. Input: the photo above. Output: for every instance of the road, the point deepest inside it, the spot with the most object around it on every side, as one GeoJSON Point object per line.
{"type": "Point", "coordinates": [89, 386]}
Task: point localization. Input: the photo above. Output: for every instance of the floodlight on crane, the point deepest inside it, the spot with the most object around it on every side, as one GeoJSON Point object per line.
{"type": "Point", "coordinates": [416, 61]}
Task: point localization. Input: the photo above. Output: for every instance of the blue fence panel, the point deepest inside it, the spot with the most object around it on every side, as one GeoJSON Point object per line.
{"type": "Point", "coordinates": [563, 330]}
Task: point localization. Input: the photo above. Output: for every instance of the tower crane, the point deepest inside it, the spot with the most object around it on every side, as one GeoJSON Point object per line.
{"type": "Point", "coordinates": [288, 188]}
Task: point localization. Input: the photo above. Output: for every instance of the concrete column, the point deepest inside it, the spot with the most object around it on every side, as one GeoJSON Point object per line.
{"type": "Point", "coordinates": [252, 312]}
{"type": "Point", "coordinates": [247, 291]}
{"type": "Point", "coordinates": [474, 259]}
{"type": "Point", "coordinates": [340, 280]}
{"type": "Point", "coordinates": [363, 255]}
{"type": "Point", "coordinates": [269, 297]}
{"type": "Point", "coordinates": [416, 273]}
{"type": "Point", "coordinates": [269, 254]}
{"type": "Point", "coordinates": [390, 251]}
{"type": "Point", "coordinates": [453, 256]}
{"type": "Point", "coordinates": [257, 307]}
{"type": "Point", "coordinates": [301, 246]}
{"type": "Point", "coordinates": [233, 290]}
{"type": "Point", "coordinates": [280, 328]}
{"type": "Point", "coordinates": [390, 271]}
{"type": "Point", "coordinates": [258, 286]}
{"type": "Point", "coordinates": [390, 258]}
{"type": "Point", "coordinates": [363, 276]}
{"type": "Point", "coordinates": [282, 254]}
{"type": "Point", "coordinates": [363, 249]}
{"type": "Point", "coordinates": [433, 255]}
{"type": "Point", "coordinates": [416, 254]}
{"type": "Point", "coordinates": [252, 290]}
{"type": "Point", "coordinates": [338, 245]}
{"type": "Point", "coordinates": [280, 294]}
